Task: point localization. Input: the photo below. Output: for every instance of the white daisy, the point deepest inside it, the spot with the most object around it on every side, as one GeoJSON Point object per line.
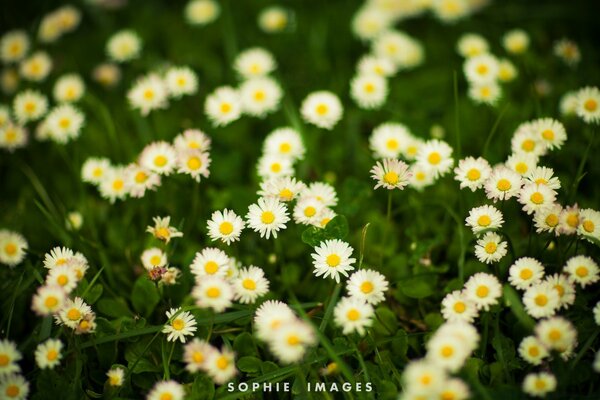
{"type": "Point", "coordinates": [57, 256]}
{"type": "Point", "coordinates": [114, 185]}
{"type": "Point", "coordinates": [270, 317]}
{"type": "Point", "coordinates": [353, 314]}
{"type": "Point", "coordinates": [541, 300]}
{"type": "Point", "coordinates": [274, 166]}
{"type": "Point", "coordinates": [260, 96]}
{"type": "Point", "coordinates": [582, 270]}
{"type": "Point", "coordinates": [543, 176]}
{"type": "Point", "coordinates": [14, 46]}
{"type": "Point", "coordinates": [285, 188]}
{"type": "Point", "coordinates": [214, 292]}
{"type": "Point", "coordinates": [389, 140]}
{"type": "Point", "coordinates": [457, 307]}
{"type": "Point", "coordinates": [371, 64]}
{"type": "Point", "coordinates": [139, 179]}
{"type": "Point", "coordinates": [210, 261]}
{"type": "Point", "coordinates": [36, 67]}
{"type": "Point", "coordinates": [540, 384]}
{"type": "Point", "coordinates": [202, 12]}
{"type": "Point", "coordinates": [250, 284]}
{"type": "Point", "coordinates": [254, 62]}
{"type": "Point", "coordinates": [483, 289]}
{"type": "Point", "coordinates": [148, 93]}
{"type": "Point", "coordinates": [14, 387]}
{"type": "Point", "coordinates": [159, 157]}
{"type": "Point", "coordinates": [223, 106]}
{"type": "Point", "coordinates": [369, 91]}
{"type": "Point", "coordinates": [220, 365]}
{"type": "Point", "coordinates": [322, 108]}
{"type": "Point", "coordinates": [507, 71]}
{"type": "Point", "coordinates": [490, 248]}
{"type": "Point", "coordinates": [332, 258]}
{"type": "Point", "coordinates": [421, 176]}
{"type": "Point", "coordinates": [13, 137]}
{"type": "Point", "coordinates": [588, 104]}
{"type": "Point", "coordinates": [181, 81]}
{"type": "Point", "coordinates": [481, 69]}
{"type": "Point", "coordinates": [273, 19]}
{"type": "Point", "coordinates": [9, 355]}
{"type": "Point", "coordinates": [502, 184]}
{"type": "Point", "coordinates": [225, 226]}
{"type": "Point", "coordinates": [13, 247]}
{"type": "Point", "coordinates": [485, 93]}
{"type": "Point", "coordinates": [550, 131]}
{"type": "Point", "coordinates": [536, 197]}
{"type": "Point", "coordinates": [195, 354]}
{"type": "Point", "coordinates": [526, 140]}
{"type": "Point", "coordinates": [565, 289]}
{"type": "Point", "coordinates": [323, 192]}
{"type": "Point", "coordinates": [292, 340]}
{"type": "Point", "coordinates": [68, 88]}
{"type": "Point", "coordinates": [166, 390]}
{"type": "Point", "coordinates": [556, 333]}
{"type": "Point", "coordinates": [447, 351]}
{"type": "Point", "coordinates": [403, 50]}
{"type": "Point", "coordinates": [268, 216]}
{"type": "Point", "coordinates": [367, 285]}
{"type": "Point", "coordinates": [124, 46]}
{"type": "Point", "coordinates": [64, 122]}
{"type": "Point", "coordinates": [307, 211]}
{"type": "Point", "coordinates": [193, 139]}
{"type": "Point", "coordinates": [532, 350]}
{"type": "Point", "coordinates": [522, 163]}
{"type": "Point", "coordinates": [73, 312]}
{"type": "Point", "coordinates": [589, 226]}
{"type": "Point", "coordinates": [180, 325]}
{"type": "Point", "coordinates": [391, 174]}
{"type": "Point", "coordinates": [153, 257]}
{"type": "Point", "coordinates": [484, 218]}
{"type": "Point", "coordinates": [285, 142]}
{"type": "Point", "coordinates": [29, 105]}
{"type": "Point", "coordinates": [63, 276]}
{"type": "Point", "coordinates": [471, 45]}
{"type": "Point", "coordinates": [194, 163]}
{"type": "Point", "coordinates": [48, 300]}
{"type": "Point", "coordinates": [163, 230]}
{"type": "Point", "coordinates": [524, 272]}
{"type": "Point", "coordinates": [370, 22]}
{"type": "Point", "coordinates": [48, 354]}
{"type": "Point", "coordinates": [472, 172]}
{"type": "Point", "coordinates": [515, 41]}
{"type": "Point", "coordinates": [436, 155]}
{"type": "Point", "coordinates": [95, 169]}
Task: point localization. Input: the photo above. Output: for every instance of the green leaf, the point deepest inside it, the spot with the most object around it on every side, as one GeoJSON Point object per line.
{"type": "Point", "coordinates": [93, 294]}
{"type": "Point", "coordinates": [386, 322]}
{"type": "Point", "coordinates": [514, 302]}
{"type": "Point", "coordinates": [244, 345]}
{"type": "Point", "coordinates": [418, 287]}
{"type": "Point", "coordinates": [144, 296]}
{"type": "Point", "coordinates": [202, 388]}
{"type": "Point", "coordinates": [113, 307]}
{"type": "Point", "coordinates": [337, 228]}
{"type": "Point", "coordinates": [249, 364]}
{"type": "Point", "coordinates": [268, 367]}
{"type": "Point", "coordinates": [400, 344]}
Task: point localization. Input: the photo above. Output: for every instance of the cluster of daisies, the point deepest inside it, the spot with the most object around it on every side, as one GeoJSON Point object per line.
{"type": "Point", "coordinates": [188, 155]}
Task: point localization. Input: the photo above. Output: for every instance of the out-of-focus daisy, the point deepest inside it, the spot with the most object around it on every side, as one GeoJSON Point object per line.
{"type": "Point", "coordinates": [163, 230]}
{"type": "Point", "coordinates": [582, 270]}
{"type": "Point", "coordinates": [588, 104]}
{"type": "Point", "coordinates": [202, 12]}
{"type": "Point", "coordinates": [568, 51]}
{"type": "Point", "coordinates": [485, 93]}
{"type": "Point", "coordinates": [522, 163]}
{"type": "Point", "coordinates": [48, 300]}
{"type": "Point", "coordinates": [148, 93]}
{"type": "Point", "coordinates": [403, 50]}
{"type": "Point", "coordinates": [532, 350]}
{"type": "Point", "coordinates": [455, 389]}
{"type": "Point", "coordinates": [284, 188]}
{"type": "Point", "coordinates": [63, 276]}
{"type": "Point", "coordinates": [273, 19]}
{"type": "Point", "coordinates": [193, 139]}
{"type": "Point", "coordinates": [436, 155]}
{"type": "Point", "coordinates": [181, 81]}
{"type": "Point", "coordinates": [57, 256]}
{"type": "Point", "coordinates": [114, 186]}
{"type": "Point", "coordinates": [36, 67]}
{"type": "Point", "coordinates": [502, 184]}
{"type": "Point", "coordinates": [447, 351]}
{"type": "Point", "coordinates": [170, 390]}
{"type": "Point", "coordinates": [159, 157]}
{"type": "Point", "coordinates": [323, 192]}
{"type": "Point", "coordinates": [213, 292]}
{"type": "Point", "coordinates": [540, 384]}
{"type": "Point", "coordinates": [220, 365]}
{"type": "Point", "coordinates": [14, 45]}
{"type": "Point", "coordinates": [524, 272]}
{"type": "Point", "coordinates": [64, 123]}
{"type": "Point", "coordinates": [421, 176]}
{"type": "Point", "coordinates": [353, 314]}
{"type": "Point", "coordinates": [484, 218]}
{"type": "Point", "coordinates": [48, 354]}
{"type": "Point", "coordinates": [389, 140]}
{"type": "Point", "coordinates": [322, 108]}
{"type": "Point", "coordinates": [210, 261]}
{"type": "Point", "coordinates": [139, 179]}
{"type": "Point", "coordinates": [72, 312]}
{"type": "Point", "coordinates": [181, 324]}
{"type": "Point", "coordinates": [332, 258]}
{"type": "Point", "coordinates": [371, 64]}
{"type": "Point", "coordinates": [424, 377]}
{"type": "Point", "coordinates": [292, 340]}
{"type": "Point", "coordinates": [153, 257]}
{"type": "Point", "coordinates": [568, 104]}
{"type": "Point", "coordinates": [541, 300]}
{"type": "Point", "coordinates": [568, 220]}
{"type": "Point", "coordinates": [260, 96]}
{"type": "Point", "coordinates": [565, 289]}
{"type": "Point", "coordinates": [274, 166]}
{"type": "Point", "coordinates": [483, 289]}
{"type": "Point", "coordinates": [472, 172]}
{"type": "Point", "coordinates": [107, 74]}
{"type": "Point", "coordinates": [68, 88]}
{"type": "Point", "coordinates": [457, 307]}
{"type": "Point", "coordinates": [194, 163]}
{"type": "Point", "coordinates": [124, 46]}
{"type": "Point", "coordinates": [370, 22]}
{"type": "Point", "coordinates": [391, 174]}
{"type": "Point", "coordinates": [9, 355]}
{"type": "Point", "coordinates": [195, 354]}
{"type": "Point", "coordinates": [536, 197]}
{"type": "Point", "coordinates": [543, 176]}
{"type": "Point", "coordinates": [481, 69]}
{"type": "Point", "coordinates": [367, 285]}
{"type": "Point", "coordinates": [254, 62]}
{"type": "Point", "coordinates": [525, 140]}
{"type": "Point", "coordinates": [589, 226]}
{"type": "Point", "coordinates": [556, 333]}
{"type": "Point", "coordinates": [285, 142]}
{"type": "Point", "coordinates": [14, 387]}
{"type": "Point", "coordinates": [225, 226]}
{"type": "Point", "coordinates": [308, 211]}
{"type": "Point", "coordinates": [369, 91]}
{"type": "Point", "coordinates": [223, 106]}
{"type": "Point", "coordinates": [268, 216]}
{"type": "Point", "coordinates": [270, 317]}
{"type": "Point", "coordinates": [13, 247]}
{"type": "Point", "coordinates": [250, 284]}
{"type": "Point", "coordinates": [115, 376]}
{"type": "Point", "coordinates": [471, 45]}
{"type": "Point", "coordinates": [13, 137]}
{"type": "Point", "coordinates": [9, 80]}
{"type": "Point", "coordinates": [490, 248]}
{"type": "Point", "coordinates": [515, 41]}
{"type": "Point", "coordinates": [29, 105]}
{"type": "Point", "coordinates": [550, 131]}
{"type": "Point", "coordinates": [507, 71]}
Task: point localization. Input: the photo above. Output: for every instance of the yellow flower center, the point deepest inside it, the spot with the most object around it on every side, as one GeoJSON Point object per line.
{"type": "Point", "coordinates": [84, 325]}
{"type": "Point", "coordinates": [181, 81]}
{"type": "Point", "coordinates": [446, 351]}
{"type": "Point", "coordinates": [155, 260]}
{"type": "Point", "coordinates": [333, 260]}
{"type": "Point", "coordinates": [560, 289]}
{"type": "Point", "coordinates": [293, 340]}
{"type": "Point", "coordinates": [541, 300]}
{"type": "Point", "coordinates": [118, 184]}
{"type": "Point", "coordinates": [366, 287]}
{"type": "Point", "coordinates": [534, 351]}
{"type": "Point", "coordinates": [503, 185]}
{"type": "Point", "coordinates": [166, 396]}
{"type": "Point", "coordinates": [590, 105]}
{"type": "Point", "coordinates": [198, 357]}
{"type": "Point", "coordinates": [267, 217]}
{"type": "Point", "coordinates": [64, 123]}
{"type": "Point", "coordinates": [548, 134]}
{"type": "Point", "coordinates": [459, 307]}
{"type": "Point", "coordinates": [160, 161]}
{"type": "Point", "coordinates": [148, 94]}
{"type": "Point", "coordinates": [537, 198]}
{"type": "Point", "coordinates": [521, 168]}
{"type": "Point", "coordinates": [482, 69]}
{"type": "Point", "coordinates": [286, 194]}
{"type": "Point", "coordinates": [285, 148]}
{"type": "Point", "coordinates": [552, 220]}
{"type": "Point", "coordinates": [310, 211]}
{"type": "Point", "coordinates": [491, 247]}
{"type": "Point", "coordinates": [192, 144]}
{"type": "Point", "coordinates": [141, 177]}
{"type": "Point", "coordinates": [588, 226]}
{"type": "Point", "coordinates": [249, 284]}
{"type": "Point", "coordinates": [194, 163]}
{"type": "Point", "coordinates": [51, 302]}
{"type": "Point", "coordinates": [425, 380]}
{"type": "Point", "coordinates": [276, 167]}
{"type": "Point", "coordinates": [225, 228]}
{"type": "Point", "coordinates": [213, 292]}
{"type": "Point", "coordinates": [447, 395]}
{"type": "Point", "coordinates": [259, 95]}
{"type": "Point", "coordinates": [51, 355]}
{"type": "Point", "coordinates": [581, 271]}
{"type": "Point", "coordinates": [162, 233]}
{"type": "Point", "coordinates": [526, 273]}
{"type": "Point", "coordinates": [4, 360]}
{"type": "Point", "coordinates": [391, 178]}
{"type": "Point", "coordinates": [392, 144]}
{"type": "Point", "coordinates": [74, 314]}
{"type": "Point", "coordinates": [528, 145]}
{"type": "Point", "coordinates": [62, 280]}
{"type": "Point", "coordinates": [10, 249]}
{"type": "Point", "coordinates": [225, 108]}
{"type": "Point", "coordinates": [353, 314]}
{"type": "Point", "coordinates": [211, 267]}
{"type": "Point", "coordinates": [114, 380]}
{"type": "Point", "coordinates": [369, 88]}
{"type": "Point", "coordinates": [322, 109]}
{"type": "Point", "coordinates": [554, 335]}
{"type": "Point", "coordinates": [178, 324]}
{"type": "Point", "coordinates": [12, 391]}
{"type": "Point", "coordinates": [482, 291]}
{"type": "Point", "coordinates": [573, 220]}
{"type": "Point", "coordinates": [97, 172]}
{"type": "Point", "coordinates": [30, 107]}
{"type": "Point", "coordinates": [484, 220]}
{"type": "Point", "coordinates": [473, 174]}
{"type": "Point", "coordinates": [540, 384]}
{"type": "Point", "coordinates": [434, 158]}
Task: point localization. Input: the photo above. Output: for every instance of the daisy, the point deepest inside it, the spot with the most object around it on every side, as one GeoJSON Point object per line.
{"type": "Point", "coordinates": [308, 211]}
{"type": "Point", "coordinates": [367, 285]}
{"type": "Point", "coordinates": [63, 276]}
{"type": "Point", "coordinates": [213, 292]}
{"type": "Point", "coordinates": [541, 300]}
{"type": "Point", "coordinates": [540, 384]}
{"type": "Point", "coordinates": [195, 354]}
{"type": "Point", "coordinates": [9, 356]}
{"type": "Point", "coordinates": [254, 62]}
{"type": "Point", "coordinates": [292, 340]}
{"type": "Point", "coordinates": [332, 259]}
{"type": "Point", "coordinates": [260, 96]}
{"type": "Point", "coordinates": [589, 226]}
{"type": "Point", "coordinates": [220, 365]}
{"type": "Point", "coordinates": [568, 51]}
{"type": "Point", "coordinates": [447, 351]}
{"type": "Point", "coordinates": [48, 354]}
{"type": "Point", "coordinates": [148, 93]}
{"type": "Point", "coordinates": [471, 45]}
{"type": "Point", "coordinates": [369, 91]}
{"type": "Point", "coordinates": [202, 12]}
{"type": "Point", "coordinates": [64, 122]}
{"type": "Point", "coordinates": [323, 192]}
{"type": "Point", "coordinates": [369, 22]}
{"type": "Point", "coordinates": [94, 170]}
{"type": "Point", "coordinates": [36, 67]}
{"type": "Point", "coordinates": [568, 104]}
{"type": "Point", "coordinates": [274, 166]}
{"type": "Point", "coordinates": [72, 313]}
{"type": "Point", "coordinates": [515, 41]}
{"type": "Point", "coordinates": [556, 333]}
{"type": "Point", "coordinates": [467, 333]}
{"type": "Point", "coordinates": [14, 387]}
{"type": "Point", "coordinates": [57, 256]}
{"type": "Point", "coordinates": [107, 74]}
{"type": "Point", "coordinates": [250, 284]}
{"type": "Point", "coordinates": [522, 163]}
{"type": "Point", "coordinates": [273, 19]}
{"type": "Point", "coordinates": [153, 258]}
{"type": "Point", "coordinates": [13, 137]}
{"type": "Point", "coordinates": [536, 197]}
{"type": "Point", "coordinates": [391, 174]}
{"type": "Point", "coordinates": [268, 216]}
{"type": "Point", "coordinates": [388, 140]}
{"type": "Point", "coordinates": [223, 106]}
{"type": "Point", "coordinates": [485, 93]}
{"type": "Point", "coordinates": [270, 317]}
{"type": "Point", "coordinates": [532, 350]}
{"type": "Point", "coordinates": [568, 220]}
{"type": "Point", "coordinates": [507, 71]}
{"type": "Point", "coordinates": [285, 188]}
{"type": "Point", "coordinates": [424, 377]}
{"type": "Point", "coordinates": [412, 148]}
{"type": "Point", "coordinates": [170, 390]}
{"type": "Point", "coordinates": [210, 261]}
{"type": "Point", "coordinates": [13, 247]}
{"type": "Point", "coordinates": [472, 172]}
{"type": "Point", "coordinates": [457, 307]}
{"type": "Point", "coordinates": [502, 184]}
{"type": "Point", "coordinates": [29, 105]}
{"type": "Point", "coordinates": [483, 289]}
{"type": "Point", "coordinates": [139, 179]}
{"type": "Point", "coordinates": [194, 163]}
{"type": "Point", "coordinates": [14, 45]}
{"type": "Point", "coordinates": [490, 248]}
{"type": "Point", "coordinates": [543, 176]}
{"type": "Point", "coordinates": [115, 376]}
{"type": "Point", "coordinates": [114, 186]}
{"type": "Point", "coordinates": [455, 389]}
{"type": "Point", "coordinates": [403, 50]}
{"type": "Point", "coordinates": [437, 156]}
{"type": "Point", "coordinates": [524, 272]}
{"type": "Point", "coordinates": [159, 157]}
{"type": "Point", "coordinates": [371, 64]}
{"type": "Point", "coordinates": [353, 314]}
{"type": "Point", "coordinates": [484, 218]}
{"type": "Point", "coordinates": [550, 131]}
{"type": "Point", "coordinates": [565, 289]}
{"type": "Point", "coordinates": [181, 81]}
{"type": "Point", "coordinates": [9, 80]}
{"type": "Point", "coordinates": [481, 69]}
{"type": "Point", "coordinates": [48, 300]}
{"type": "Point", "coordinates": [225, 226]}
{"type": "Point", "coordinates": [582, 270]}
{"type": "Point", "coordinates": [526, 140]}
{"type": "Point", "coordinates": [162, 229]}
{"type": "Point", "coordinates": [588, 104]}
{"type": "Point", "coordinates": [68, 88]}
{"type": "Point", "coordinates": [322, 108]}
{"type": "Point", "coordinates": [192, 139]}
{"type": "Point", "coordinates": [325, 216]}
{"type": "Point", "coordinates": [285, 142]}
{"type": "Point", "coordinates": [421, 177]}
{"type": "Point", "coordinates": [124, 46]}
{"type": "Point", "coordinates": [180, 325]}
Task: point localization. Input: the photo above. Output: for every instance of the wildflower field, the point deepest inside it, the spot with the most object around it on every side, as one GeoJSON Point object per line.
{"type": "Point", "coordinates": [379, 199]}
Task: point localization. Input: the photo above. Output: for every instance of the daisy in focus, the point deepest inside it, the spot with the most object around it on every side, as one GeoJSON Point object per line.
{"type": "Point", "coordinates": [180, 325]}
{"type": "Point", "coordinates": [162, 229]}
{"type": "Point", "coordinates": [225, 226]}
{"type": "Point", "coordinates": [332, 258]}
{"type": "Point", "coordinates": [268, 216]}
{"type": "Point", "coordinates": [391, 174]}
